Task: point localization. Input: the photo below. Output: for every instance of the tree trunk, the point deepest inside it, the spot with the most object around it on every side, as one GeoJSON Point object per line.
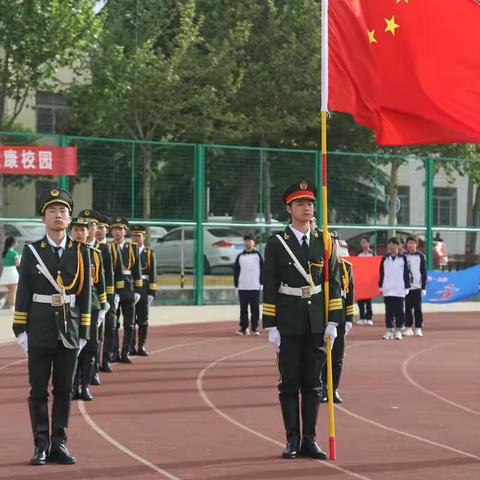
{"type": "Point", "coordinates": [245, 205]}
{"type": "Point", "coordinates": [470, 237]}
{"type": "Point", "coordinates": [392, 194]}
{"type": "Point", "coordinates": [147, 185]}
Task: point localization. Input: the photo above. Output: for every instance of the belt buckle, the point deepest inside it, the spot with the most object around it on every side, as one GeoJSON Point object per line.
{"type": "Point", "coordinates": [57, 300]}
{"type": "Point", "coordinates": [306, 292]}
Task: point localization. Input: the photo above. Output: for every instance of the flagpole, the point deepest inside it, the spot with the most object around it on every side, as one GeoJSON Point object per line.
{"type": "Point", "coordinates": [326, 236]}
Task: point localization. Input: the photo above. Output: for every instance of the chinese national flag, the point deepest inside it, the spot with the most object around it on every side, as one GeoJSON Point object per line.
{"type": "Point", "coordinates": [409, 69]}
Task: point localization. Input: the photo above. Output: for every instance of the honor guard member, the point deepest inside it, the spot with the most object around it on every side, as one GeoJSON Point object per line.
{"type": "Point", "coordinates": [294, 315]}
{"type": "Point", "coordinates": [128, 292]}
{"type": "Point", "coordinates": [86, 359]}
{"type": "Point", "coordinates": [109, 251]}
{"type": "Point", "coordinates": [338, 350]}
{"type": "Point", "coordinates": [148, 290]}
{"type": "Point", "coordinates": [94, 219]}
{"type": "Point", "coordinates": [52, 323]}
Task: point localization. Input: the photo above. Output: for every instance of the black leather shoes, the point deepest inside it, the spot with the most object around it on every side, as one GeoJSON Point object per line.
{"type": "Point", "coordinates": [76, 394]}
{"type": "Point", "coordinates": [106, 368]}
{"type": "Point", "coordinates": [60, 454]}
{"type": "Point", "coordinates": [291, 449]}
{"type": "Point", "coordinates": [95, 380]}
{"type": "Point", "coordinates": [39, 456]}
{"type": "Point", "coordinates": [86, 395]}
{"type": "Point", "coordinates": [126, 358]}
{"type": "Point", "coordinates": [336, 397]}
{"type": "Point", "coordinates": [310, 449]}
{"type": "Point", "coordinates": [142, 352]}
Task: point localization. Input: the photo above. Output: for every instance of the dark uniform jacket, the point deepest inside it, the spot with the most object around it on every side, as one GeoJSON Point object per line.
{"type": "Point", "coordinates": [149, 272]}
{"type": "Point", "coordinates": [108, 270]}
{"type": "Point", "coordinates": [291, 314]}
{"type": "Point", "coordinates": [128, 261]}
{"type": "Point", "coordinates": [99, 293]}
{"type": "Point", "coordinates": [348, 300]}
{"type": "Point", "coordinates": [44, 323]}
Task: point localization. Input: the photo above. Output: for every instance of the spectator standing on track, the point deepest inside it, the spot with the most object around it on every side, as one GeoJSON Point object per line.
{"type": "Point", "coordinates": [365, 305]}
{"type": "Point", "coordinates": [394, 284]}
{"type": "Point", "coordinates": [413, 301]}
{"type": "Point", "coordinates": [294, 316]}
{"type": "Point", "coordinates": [9, 278]}
{"type": "Point", "coordinates": [52, 323]}
{"type": "Point", "coordinates": [247, 278]}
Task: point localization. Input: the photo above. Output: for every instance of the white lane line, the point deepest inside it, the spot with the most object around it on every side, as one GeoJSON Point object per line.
{"type": "Point", "coordinates": [11, 364]}
{"type": "Point", "coordinates": [426, 390]}
{"type": "Point", "coordinates": [406, 434]}
{"type": "Point", "coordinates": [222, 414]}
{"type": "Point", "coordinates": [120, 446]}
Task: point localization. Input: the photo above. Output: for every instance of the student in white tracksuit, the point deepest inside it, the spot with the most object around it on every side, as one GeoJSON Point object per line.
{"type": "Point", "coordinates": [413, 301]}
{"type": "Point", "coordinates": [394, 285]}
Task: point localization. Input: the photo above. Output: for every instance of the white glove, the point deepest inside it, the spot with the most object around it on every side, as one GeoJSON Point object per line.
{"type": "Point", "coordinates": [116, 301]}
{"type": "Point", "coordinates": [22, 341]}
{"type": "Point", "coordinates": [107, 307]}
{"type": "Point", "coordinates": [274, 337]}
{"type": "Point", "coordinates": [348, 327]}
{"type": "Point", "coordinates": [424, 292]}
{"type": "Point", "coordinates": [81, 343]}
{"type": "Point", "coordinates": [137, 297]}
{"type": "Point", "coordinates": [330, 331]}
{"type": "Point", "coordinates": [101, 316]}
{"type": "Point", "coordinates": [150, 299]}
{"type": "Point", "coordinates": [406, 291]}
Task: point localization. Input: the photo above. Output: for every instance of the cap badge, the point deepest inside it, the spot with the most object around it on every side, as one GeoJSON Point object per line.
{"type": "Point", "coordinates": [303, 185]}
{"type": "Point", "coordinates": [54, 192]}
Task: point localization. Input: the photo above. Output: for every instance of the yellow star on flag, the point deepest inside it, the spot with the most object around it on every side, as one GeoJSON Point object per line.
{"type": "Point", "coordinates": [391, 25]}
{"type": "Point", "coordinates": [371, 36]}
{"type": "Point", "coordinates": [398, 1]}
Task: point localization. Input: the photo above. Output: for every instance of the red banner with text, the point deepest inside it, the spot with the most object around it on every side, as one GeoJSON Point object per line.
{"type": "Point", "coordinates": [38, 160]}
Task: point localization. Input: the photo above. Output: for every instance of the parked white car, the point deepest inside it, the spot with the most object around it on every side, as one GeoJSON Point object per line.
{"type": "Point", "coordinates": [24, 232]}
{"type": "Point", "coordinates": [221, 247]}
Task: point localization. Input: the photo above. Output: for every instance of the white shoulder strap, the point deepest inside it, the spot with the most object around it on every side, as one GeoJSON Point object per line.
{"type": "Point", "coordinates": [44, 270]}
{"type": "Point", "coordinates": [296, 263]}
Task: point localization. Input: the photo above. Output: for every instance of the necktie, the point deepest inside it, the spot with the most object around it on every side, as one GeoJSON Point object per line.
{"type": "Point", "coordinates": [56, 251]}
{"type": "Point", "coordinates": [305, 248]}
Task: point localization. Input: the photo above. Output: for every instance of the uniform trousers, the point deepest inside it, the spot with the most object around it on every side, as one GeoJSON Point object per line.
{"type": "Point", "coordinates": [413, 301]}
{"type": "Point", "coordinates": [394, 312]}
{"type": "Point", "coordinates": [249, 298]}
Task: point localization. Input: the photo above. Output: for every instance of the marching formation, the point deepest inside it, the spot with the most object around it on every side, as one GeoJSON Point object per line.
{"type": "Point", "coordinates": [72, 292]}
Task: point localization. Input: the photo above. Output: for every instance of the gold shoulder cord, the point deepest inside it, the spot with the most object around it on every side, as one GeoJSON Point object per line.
{"type": "Point", "coordinates": [77, 273]}
{"type": "Point", "coordinates": [96, 267]}
{"type": "Point", "coordinates": [149, 254]}
{"type": "Point", "coordinates": [345, 278]}
{"type": "Point", "coordinates": [114, 253]}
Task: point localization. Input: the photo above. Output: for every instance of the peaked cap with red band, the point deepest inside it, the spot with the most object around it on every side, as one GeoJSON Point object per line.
{"type": "Point", "coordinates": [300, 191]}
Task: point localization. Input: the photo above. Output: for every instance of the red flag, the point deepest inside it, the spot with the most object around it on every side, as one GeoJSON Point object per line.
{"type": "Point", "coordinates": [366, 275]}
{"type": "Point", "coordinates": [409, 69]}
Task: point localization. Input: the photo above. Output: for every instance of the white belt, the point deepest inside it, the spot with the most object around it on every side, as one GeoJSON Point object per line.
{"type": "Point", "coordinates": [56, 300]}
{"type": "Point", "coordinates": [127, 272]}
{"type": "Point", "coordinates": [145, 277]}
{"type": "Point", "coordinates": [304, 292]}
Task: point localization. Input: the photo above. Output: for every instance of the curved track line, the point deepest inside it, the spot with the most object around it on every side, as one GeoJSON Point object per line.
{"type": "Point", "coordinates": [118, 445]}
{"type": "Point", "coordinates": [406, 434]}
{"type": "Point", "coordinates": [121, 447]}
{"type": "Point", "coordinates": [426, 390]}
{"type": "Point", "coordinates": [11, 364]}
{"type": "Point", "coordinates": [219, 412]}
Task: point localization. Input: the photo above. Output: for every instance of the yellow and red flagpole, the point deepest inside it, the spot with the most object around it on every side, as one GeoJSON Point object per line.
{"type": "Point", "coordinates": [326, 236]}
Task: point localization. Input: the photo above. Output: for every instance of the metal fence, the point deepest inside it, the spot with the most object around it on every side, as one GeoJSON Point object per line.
{"type": "Point", "coordinates": [199, 200]}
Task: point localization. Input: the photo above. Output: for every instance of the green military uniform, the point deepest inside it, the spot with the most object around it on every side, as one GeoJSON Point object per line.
{"type": "Point", "coordinates": [300, 322]}
{"type": "Point", "coordinates": [99, 219]}
{"type": "Point", "coordinates": [129, 285]}
{"type": "Point", "coordinates": [86, 359]}
{"type": "Point", "coordinates": [149, 288]}
{"type": "Point", "coordinates": [113, 322]}
{"type": "Point", "coordinates": [54, 324]}
{"type": "Point", "coordinates": [338, 350]}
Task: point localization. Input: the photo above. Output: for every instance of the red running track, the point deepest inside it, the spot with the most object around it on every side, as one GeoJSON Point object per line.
{"type": "Point", "coordinates": [204, 406]}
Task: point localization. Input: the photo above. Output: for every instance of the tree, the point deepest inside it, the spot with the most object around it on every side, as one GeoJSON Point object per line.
{"type": "Point", "coordinates": [36, 38]}
{"type": "Point", "coordinates": [153, 77]}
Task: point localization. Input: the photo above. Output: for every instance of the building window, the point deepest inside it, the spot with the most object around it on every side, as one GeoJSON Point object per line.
{"type": "Point", "coordinates": [445, 207]}
{"type": "Point", "coordinates": [403, 215]}
{"type": "Point", "coordinates": [52, 109]}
